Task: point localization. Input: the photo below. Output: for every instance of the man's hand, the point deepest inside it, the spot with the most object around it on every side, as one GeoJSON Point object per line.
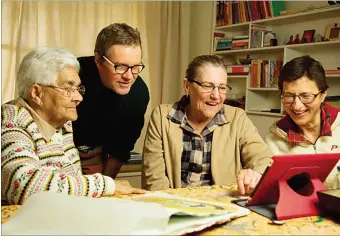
{"type": "Point", "coordinates": [247, 179]}
{"type": "Point", "coordinates": [124, 187]}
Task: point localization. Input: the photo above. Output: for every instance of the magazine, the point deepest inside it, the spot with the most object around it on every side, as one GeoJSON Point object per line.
{"type": "Point", "coordinates": [154, 213]}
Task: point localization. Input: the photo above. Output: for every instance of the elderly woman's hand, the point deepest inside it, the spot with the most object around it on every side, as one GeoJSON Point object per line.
{"type": "Point", "coordinates": [124, 187]}
{"type": "Point", "coordinates": [247, 179]}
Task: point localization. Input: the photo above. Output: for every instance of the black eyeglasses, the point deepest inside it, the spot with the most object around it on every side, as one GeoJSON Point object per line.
{"type": "Point", "coordinates": [209, 87]}
{"type": "Point", "coordinates": [305, 98]}
{"type": "Point", "coordinates": [69, 90]}
{"type": "Point", "coordinates": [122, 69]}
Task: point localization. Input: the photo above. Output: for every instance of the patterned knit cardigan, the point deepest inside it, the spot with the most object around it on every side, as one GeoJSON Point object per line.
{"type": "Point", "coordinates": [30, 164]}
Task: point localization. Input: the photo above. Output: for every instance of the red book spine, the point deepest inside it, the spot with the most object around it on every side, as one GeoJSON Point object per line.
{"type": "Point", "coordinates": [253, 78]}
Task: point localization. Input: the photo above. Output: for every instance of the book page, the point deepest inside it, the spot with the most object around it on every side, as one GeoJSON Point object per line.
{"type": "Point", "coordinates": [186, 206]}
{"type": "Point", "coordinates": [49, 213]}
{"type": "Point", "coordinates": [154, 213]}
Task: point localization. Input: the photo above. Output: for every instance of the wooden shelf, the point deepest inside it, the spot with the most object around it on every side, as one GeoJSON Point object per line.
{"type": "Point", "coordinates": [331, 76]}
{"type": "Point", "coordinates": [321, 13]}
{"type": "Point", "coordinates": [234, 27]}
{"type": "Point", "coordinates": [278, 49]}
{"type": "Point", "coordinates": [263, 89]}
{"type": "Point", "coordinates": [274, 49]}
{"type": "Point", "coordinates": [237, 76]}
{"type": "Point", "coordinates": [313, 45]}
{"type": "Point", "coordinates": [262, 113]}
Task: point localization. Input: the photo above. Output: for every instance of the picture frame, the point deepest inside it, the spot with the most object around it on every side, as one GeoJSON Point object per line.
{"type": "Point", "coordinates": [308, 36]}
{"type": "Point", "coordinates": [332, 31]}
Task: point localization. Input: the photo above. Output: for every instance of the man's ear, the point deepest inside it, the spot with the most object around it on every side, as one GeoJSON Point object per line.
{"type": "Point", "coordinates": [97, 58]}
{"type": "Point", "coordinates": [36, 94]}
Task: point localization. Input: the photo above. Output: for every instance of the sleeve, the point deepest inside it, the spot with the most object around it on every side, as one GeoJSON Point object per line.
{"type": "Point", "coordinates": [255, 153]}
{"type": "Point", "coordinates": [153, 162]}
{"type": "Point", "coordinates": [130, 123]}
{"type": "Point", "coordinates": [23, 175]}
{"type": "Point", "coordinates": [274, 143]}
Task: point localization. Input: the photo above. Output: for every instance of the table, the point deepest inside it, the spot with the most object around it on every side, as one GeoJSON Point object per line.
{"type": "Point", "coordinates": [253, 224]}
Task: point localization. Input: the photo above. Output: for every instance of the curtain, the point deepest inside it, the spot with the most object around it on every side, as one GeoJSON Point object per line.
{"type": "Point", "coordinates": [164, 28]}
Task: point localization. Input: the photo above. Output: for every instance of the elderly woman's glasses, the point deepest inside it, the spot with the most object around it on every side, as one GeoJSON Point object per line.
{"type": "Point", "coordinates": [69, 90]}
{"type": "Point", "coordinates": [122, 69]}
{"type": "Point", "coordinates": [210, 87]}
{"type": "Point", "coordinates": [305, 98]}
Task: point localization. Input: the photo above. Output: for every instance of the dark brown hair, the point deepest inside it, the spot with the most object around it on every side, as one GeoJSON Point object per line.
{"type": "Point", "coordinates": [303, 66]}
{"type": "Point", "coordinates": [116, 34]}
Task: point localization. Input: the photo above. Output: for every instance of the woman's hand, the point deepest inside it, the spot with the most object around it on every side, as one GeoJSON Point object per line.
{"type": "Point", "coordinates": [247, 179]}
{"type": "Point", "coordinates": [124, 187]}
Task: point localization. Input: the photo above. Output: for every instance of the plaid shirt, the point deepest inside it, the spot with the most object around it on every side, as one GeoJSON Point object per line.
{"type": "Point", "coordinates": [295, 137]}
{"type": "Point", "coordinates": [196, 154]}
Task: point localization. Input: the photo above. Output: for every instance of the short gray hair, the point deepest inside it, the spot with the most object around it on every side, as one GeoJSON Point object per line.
{"type": "Point", "coordinates": [43, 66]}
{"type": "Point", "coordinates": [198, 62]}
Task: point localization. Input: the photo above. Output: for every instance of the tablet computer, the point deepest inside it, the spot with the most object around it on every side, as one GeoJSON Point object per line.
{"type": "Point", "coordinates": [302, 167]}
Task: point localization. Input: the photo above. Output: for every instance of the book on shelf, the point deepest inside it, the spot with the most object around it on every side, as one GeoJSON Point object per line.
{"type": "Point", "coordinates": [223, 44]}
{"type": "Point", "coordinates": [135, 158]}
{"type": "Point", "coordinates": [238, 69]}
{"type": "Point", "coordinates": [240, 42]}
{"type": "Point", "coordinates": [265, 73]}
{"type": "Point", "coordinates": [332, 72]}
{"type": "Point", "coordinates": [234, 12]}
{"type": "Point", "coordinates": [154, 213]}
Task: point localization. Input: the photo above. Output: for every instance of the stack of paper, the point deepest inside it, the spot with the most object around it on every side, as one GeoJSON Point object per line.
{"type": "Point", "coordinates": [153, 213]}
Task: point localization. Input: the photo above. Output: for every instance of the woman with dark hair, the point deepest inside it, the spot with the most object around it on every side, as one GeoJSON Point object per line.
{"type": "Point", "coordinates": [310, 125]}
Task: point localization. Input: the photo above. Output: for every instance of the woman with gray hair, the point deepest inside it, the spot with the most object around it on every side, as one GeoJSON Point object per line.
{"type": "Point", "coordinates": [38, 153]}
{"type": "Point", "coordinates": [199, 140]}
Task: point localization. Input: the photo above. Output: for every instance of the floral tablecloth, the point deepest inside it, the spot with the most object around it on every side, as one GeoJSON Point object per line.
{"type": "Point", "coordinates": [253, 224]}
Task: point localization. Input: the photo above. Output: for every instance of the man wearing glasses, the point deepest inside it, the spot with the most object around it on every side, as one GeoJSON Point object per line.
{"type": "Point", "coordinates": [310, 125]}
{"type": "Point", "coordinates": [111, 115]}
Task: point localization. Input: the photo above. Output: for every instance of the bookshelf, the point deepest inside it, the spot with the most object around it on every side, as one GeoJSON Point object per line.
{"type": "Point", "coordinates": [263, 105]}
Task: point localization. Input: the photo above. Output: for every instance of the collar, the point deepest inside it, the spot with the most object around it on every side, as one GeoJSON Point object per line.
{"type": "Point", "coordinates": [46, 130]}
{"type": "Point", "coordinates": [177, 113]}
{"type": "Point", "coordinates": [295, 137]}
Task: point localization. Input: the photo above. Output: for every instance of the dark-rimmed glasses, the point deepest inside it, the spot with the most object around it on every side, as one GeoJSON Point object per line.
{"type": "Point", "coordinates": [69, 90]}
{"type": "Point", "coordinates": [305, 98]}
{"type": "Point", "coordinates": [122, 69]}
{"type": "Point", "coordinates": [210, 87]}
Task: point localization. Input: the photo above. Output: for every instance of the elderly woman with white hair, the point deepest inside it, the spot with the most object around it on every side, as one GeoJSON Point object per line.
{"type": "Point", "coordinates": [38, 153]}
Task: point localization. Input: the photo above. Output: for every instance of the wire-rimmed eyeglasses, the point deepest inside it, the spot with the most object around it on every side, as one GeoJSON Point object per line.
{"type": "Point", "coordinates": [122, 69]}
{"type": "Point", "coordinates": [305, 98]}
{"type": "Point", "coordinates": [69, 90]}
{"type": "Point", "coordinates": [209, 87]}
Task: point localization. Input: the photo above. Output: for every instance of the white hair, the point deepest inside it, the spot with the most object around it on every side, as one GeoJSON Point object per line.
{"type": "Point", "coordinates": [42, 66]}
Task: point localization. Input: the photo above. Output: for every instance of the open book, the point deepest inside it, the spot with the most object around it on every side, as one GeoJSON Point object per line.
{"type": "Point", "coordinates": [153, 213]}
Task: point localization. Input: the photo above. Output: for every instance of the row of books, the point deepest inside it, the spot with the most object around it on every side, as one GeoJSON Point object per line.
{"type": "Point", "coordinates": [237, 42]}
{"type": "Point", "coordinates": [265, 73]}
{"type": "Point", "coordinates": [240, 42]}
{"type": "Point", "coordinates": [233, 12]}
